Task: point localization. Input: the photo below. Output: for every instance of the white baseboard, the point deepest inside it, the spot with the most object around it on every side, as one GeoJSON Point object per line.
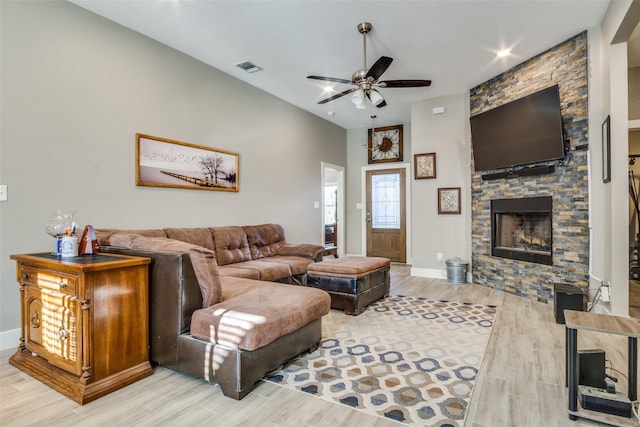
{"type": "Point", "coordinates": [9, 339]}
{"type": "Point", "coordinates": [435, 273]}
{"type": "Point", "coordinates": [432, 273]}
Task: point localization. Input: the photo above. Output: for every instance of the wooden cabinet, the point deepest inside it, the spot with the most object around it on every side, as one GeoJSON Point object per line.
{"type": "Point", "coordinates": [84, 321]}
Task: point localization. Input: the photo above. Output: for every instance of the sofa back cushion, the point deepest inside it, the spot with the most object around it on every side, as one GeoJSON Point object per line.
{"type": "Point", "coordinates": [196, 236]}
{"type": "Point", "coordinates": [202, 259]}
{"type": "Point", "coordinates": [104, 234]}
{"type": "Point", "coordinates": [264, 240]}
{"type": "Point", "coordinates": [231, 245]}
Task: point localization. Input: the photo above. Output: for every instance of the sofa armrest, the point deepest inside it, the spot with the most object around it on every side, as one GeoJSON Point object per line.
{"type": "Point", "coordinates": [313, 252]}
{"type": "Point", "coordinates": [174, 295]}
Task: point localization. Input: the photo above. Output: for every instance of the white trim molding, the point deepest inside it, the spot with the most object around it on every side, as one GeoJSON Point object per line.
{"type": "Point", "coordinates": [9, 339]}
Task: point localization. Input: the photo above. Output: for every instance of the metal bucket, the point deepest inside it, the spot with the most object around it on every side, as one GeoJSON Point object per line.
{"type": "Point", "coordinates": [456, 270]}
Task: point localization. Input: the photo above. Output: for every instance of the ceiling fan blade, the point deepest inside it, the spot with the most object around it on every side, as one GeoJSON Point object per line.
{"type": "Point", "coordinates": [379, 67]}
{"type": "Point", "coordinates": [329, 79]}
{"type": "Point", "coordinates": [337, 95]}
{"type": "Point", "coordinates": [404, 83]}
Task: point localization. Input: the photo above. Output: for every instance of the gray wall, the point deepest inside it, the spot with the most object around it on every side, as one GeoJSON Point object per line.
{"type": "Point", "coordinates": [447, 135]}
{"type": "Point", "coordinates": [75, 90]}
{"type": "Point", "coordinates": [634, 93]}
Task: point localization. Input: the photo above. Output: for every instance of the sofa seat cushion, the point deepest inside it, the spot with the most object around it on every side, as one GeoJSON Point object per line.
{"type": "Point", "coordinates": [232, 271]}
{"type": "Point", "coordinates": [231, 245]}
{"type": "Point", "coordinates": [298, 265]}
{"type": "Point", "coordinates": [255, 313]}
{"type": "Point", "coordinates": [269, 271]}
{"type": "Point", "coordinates": [195, 236]}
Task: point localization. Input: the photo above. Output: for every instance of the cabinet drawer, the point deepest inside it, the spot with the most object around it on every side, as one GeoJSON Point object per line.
{"type": "Point", "coordinates": [46, 279]}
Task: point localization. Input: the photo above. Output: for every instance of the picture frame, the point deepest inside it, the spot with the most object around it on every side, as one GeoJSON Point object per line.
{"type": "Point", "coordinates": [606, 150]}
{"type": "Point", "coordinates": [162, 162]}
{"type": "Point", "coordinates": [385, 144]}
{"type": "Point", "coordinates": [424, 166]}
{"type": "Point", "coordinates": [449, 200]}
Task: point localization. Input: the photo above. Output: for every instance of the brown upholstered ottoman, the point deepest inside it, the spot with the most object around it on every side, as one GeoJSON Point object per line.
{"type": "Point", "coordinates": [353, 282]}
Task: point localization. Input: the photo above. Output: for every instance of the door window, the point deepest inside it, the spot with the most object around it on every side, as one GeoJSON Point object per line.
{"type": "Point", "coordinates": [385, 201]}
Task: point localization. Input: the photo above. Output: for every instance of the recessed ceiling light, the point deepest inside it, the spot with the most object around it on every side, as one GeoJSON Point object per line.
{"type": "Point", "coordinates": [330, 113]}
{"type": "Point", "coordinates": [503, 53]}
{"type": "Point", "coordinates": [328, 89]}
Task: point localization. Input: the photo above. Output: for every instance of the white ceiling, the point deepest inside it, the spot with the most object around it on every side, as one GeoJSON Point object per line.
{"type": "Point", "coordinates": [451, 42]}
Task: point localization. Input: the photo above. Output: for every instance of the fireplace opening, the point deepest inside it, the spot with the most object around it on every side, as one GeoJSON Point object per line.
{"type": "Point", "coordinates": [521, 229]}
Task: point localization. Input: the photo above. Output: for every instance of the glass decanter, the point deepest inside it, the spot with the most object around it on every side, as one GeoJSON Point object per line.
{"type": "Point", "coordinates": [60, 224]}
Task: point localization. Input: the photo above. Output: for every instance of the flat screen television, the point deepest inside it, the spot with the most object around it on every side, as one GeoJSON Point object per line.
{"type": "Point", "coordinates": [522, 132]}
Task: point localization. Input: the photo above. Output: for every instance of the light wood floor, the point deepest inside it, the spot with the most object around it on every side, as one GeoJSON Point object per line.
{"type": "Point", "coordinates": [520, 384]}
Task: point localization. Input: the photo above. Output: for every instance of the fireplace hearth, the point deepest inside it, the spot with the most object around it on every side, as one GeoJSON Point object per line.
{"type": "Point", "coordinates": [521, 229]}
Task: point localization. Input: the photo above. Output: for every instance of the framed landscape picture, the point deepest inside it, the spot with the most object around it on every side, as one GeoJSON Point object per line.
{"type": "Point", "coordinates": [449, 200]}
{"type": "Point", "coordinates": [162, 162]}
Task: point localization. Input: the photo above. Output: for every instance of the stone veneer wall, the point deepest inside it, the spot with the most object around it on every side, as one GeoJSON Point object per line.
{"type": "Point", "coordinates": [565, 65]}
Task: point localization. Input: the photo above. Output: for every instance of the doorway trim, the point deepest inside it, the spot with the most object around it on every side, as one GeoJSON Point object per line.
{"type": "Point", "coordinates": [363, 198]}
{"type": "Point", "coordinates": [340, 211]}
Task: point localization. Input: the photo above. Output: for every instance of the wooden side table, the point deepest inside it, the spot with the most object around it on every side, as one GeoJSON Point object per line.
{"type": "Point", "coordinates": [84, 321]}
{"type": "Point", "coordinates": [627, 326]}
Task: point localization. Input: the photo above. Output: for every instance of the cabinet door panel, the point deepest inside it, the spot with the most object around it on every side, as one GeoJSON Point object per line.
{"type": "Point", "coordinates": [34, 322]}
{"type": "Point", "coordinates": [63, 330]}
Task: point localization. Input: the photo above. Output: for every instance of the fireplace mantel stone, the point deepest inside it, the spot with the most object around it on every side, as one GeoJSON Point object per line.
{"type": "Point", "coordinates": [565, 65]}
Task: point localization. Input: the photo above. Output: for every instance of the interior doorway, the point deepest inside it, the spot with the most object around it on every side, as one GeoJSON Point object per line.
{"type": "Point", "coordinates": [634, 222]}
{"type": "Point", "coordinates": [333, 202]}
{"type": "Point", "coordinates": [633, 68]}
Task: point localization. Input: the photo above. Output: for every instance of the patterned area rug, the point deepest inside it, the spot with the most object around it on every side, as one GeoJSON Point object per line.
{"type": "Point", "coordinates": [413, 360]}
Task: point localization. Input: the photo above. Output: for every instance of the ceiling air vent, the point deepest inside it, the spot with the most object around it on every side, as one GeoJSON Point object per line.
{"type": "Point", "coordinates": [249, 67]}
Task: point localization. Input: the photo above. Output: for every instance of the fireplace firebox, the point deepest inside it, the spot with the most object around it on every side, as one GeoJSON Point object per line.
{"type": "Point", "coordinates": [521, 229]}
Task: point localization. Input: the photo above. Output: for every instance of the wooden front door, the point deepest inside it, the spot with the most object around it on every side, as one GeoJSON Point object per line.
{"type": "Point", "coordinates": [386, 214]}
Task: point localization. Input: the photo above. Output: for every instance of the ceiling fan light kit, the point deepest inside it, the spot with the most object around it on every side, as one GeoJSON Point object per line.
{"type": "Point", "coordinates": [366, 82]}
{"type": "Point", "coordinates": [375, 97]}
{"type": "Point", "coordinates": [358, 97]}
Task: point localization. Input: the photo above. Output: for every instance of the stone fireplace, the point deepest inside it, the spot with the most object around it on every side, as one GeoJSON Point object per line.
{"type": "Point", "coordinates": [521, 229]}
{"type": "Point", "coordinates": [526, 253]}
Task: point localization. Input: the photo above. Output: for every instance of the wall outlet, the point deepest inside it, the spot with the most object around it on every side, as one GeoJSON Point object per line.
{"type": "Point", "coordinates": [604, 294]}
{"type": "Point", "coordinates": [3, 193]}
{"type": "Point", "coordinates": [440, 257]}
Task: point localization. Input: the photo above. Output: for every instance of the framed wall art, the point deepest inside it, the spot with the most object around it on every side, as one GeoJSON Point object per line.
{"type": "Point", "coordinates": [424, 165]}
{"type": "Point", "coordinates": [606, 150]}
{"type": "Point", "coordinates": [385, 144]}
{"type": "Point", "coordinates": [162, 162]}
{"type": "Point", "coordinates": [449, 200]}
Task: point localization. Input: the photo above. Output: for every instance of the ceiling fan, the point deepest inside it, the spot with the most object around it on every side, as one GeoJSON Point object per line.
{"type": "Point", "coordinates": [366, 82]}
